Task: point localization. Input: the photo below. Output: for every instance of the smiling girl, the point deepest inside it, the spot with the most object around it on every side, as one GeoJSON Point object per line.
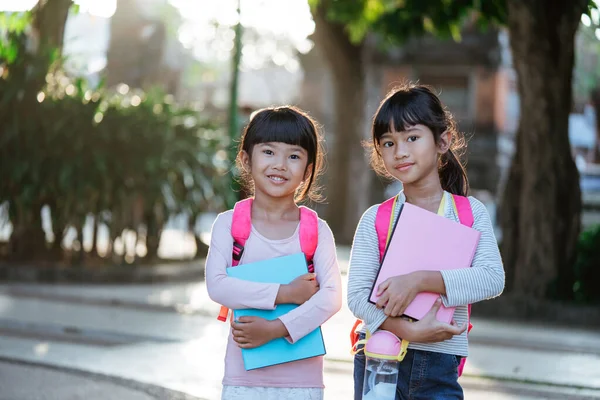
{"type": "Point", "coordinates": [280, 157]}
{"type": "Point", "coordinates": [415, 140]}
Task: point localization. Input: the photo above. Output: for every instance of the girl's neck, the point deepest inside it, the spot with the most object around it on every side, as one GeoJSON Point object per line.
{"type": "Point", "coordinates": [269, 208]}
{"type": "Point", "coordinates": [424, 194]}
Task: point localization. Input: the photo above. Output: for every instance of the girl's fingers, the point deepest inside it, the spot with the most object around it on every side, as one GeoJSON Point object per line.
{"type": "Point", "coordinates": [241, 340]}
{"type": "Point", "coordinates": [383, 300]}
{"type": "Point", "coordinates": [382, 287]}
{"type": "Point", "coordinates": [388, 309]}
{"type": "Point", "coordinates": [238, 332]}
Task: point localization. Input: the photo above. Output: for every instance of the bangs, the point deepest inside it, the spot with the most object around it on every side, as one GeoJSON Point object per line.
{"type": "Point", "coordinates": [405, 109]}
{"type": "Point", "coordinates": [281, 125]}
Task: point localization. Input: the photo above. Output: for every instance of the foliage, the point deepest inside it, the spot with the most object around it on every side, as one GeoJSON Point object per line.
{"type": "Point", "coordinates": [129, 158]}
{"type": "Point", "coordinates": [587, 267]}
{"type": "Point", "coordinates": [395, 21]}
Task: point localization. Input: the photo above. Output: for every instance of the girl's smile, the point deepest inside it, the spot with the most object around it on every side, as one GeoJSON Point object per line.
{"type": "Point", "coordinates": [404, 166]}
{"type": "Point", "coordinates": [277, 179]}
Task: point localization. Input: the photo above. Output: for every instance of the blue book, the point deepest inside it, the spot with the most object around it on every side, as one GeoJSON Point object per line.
{"type": "Point", "coordinates": [277, 270]}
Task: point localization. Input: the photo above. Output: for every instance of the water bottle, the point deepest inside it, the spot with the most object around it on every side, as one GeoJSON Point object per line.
{"type": "Point", "coordinates": [383, 353]}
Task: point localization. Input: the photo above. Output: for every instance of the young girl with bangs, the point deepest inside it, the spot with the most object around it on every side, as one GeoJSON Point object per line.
{"type": "Point", "coordinates": [415, 140]}
{"type": "Point", "coordinates": [280, 157]}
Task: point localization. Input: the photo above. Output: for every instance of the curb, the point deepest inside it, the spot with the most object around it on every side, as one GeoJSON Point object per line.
{"type": "Point", "coordinates": [181, 271]}
{"type": "Point", "coordinates": [511, 307]}
{"type": "Point", "coordinates": [178, 308]}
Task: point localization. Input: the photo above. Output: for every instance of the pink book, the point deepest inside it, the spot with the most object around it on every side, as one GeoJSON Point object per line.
{"type": "Point", "coordinates": [424, 241]}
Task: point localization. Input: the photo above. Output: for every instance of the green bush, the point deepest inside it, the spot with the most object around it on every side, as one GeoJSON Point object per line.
{"type": "Point", "coordinates": [587, 267]}
{"type": "Point", "coordinates": [130, 159]}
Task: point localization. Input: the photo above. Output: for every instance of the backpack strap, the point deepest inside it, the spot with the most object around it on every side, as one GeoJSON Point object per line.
{"type": "Point", "coordinates": [384, 223]}
{"type": "Point", "coordinates": [309, 235]}
{"type": "Point", "coordinates": [463, 210]}
{"type": "Point", "coordinates": [241, 226]}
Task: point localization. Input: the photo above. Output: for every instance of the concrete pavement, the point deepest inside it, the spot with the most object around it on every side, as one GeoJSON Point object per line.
{"type": "Point", "coordinates": [25, 381]}
{"type": "Point", "coordinates": [166, 335]}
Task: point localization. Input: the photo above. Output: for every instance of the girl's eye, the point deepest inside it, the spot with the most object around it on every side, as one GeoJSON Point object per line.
{"type": "Point", "coordinates": [388, 144]}
{"type": "Point", "coordinates": [268, 152]}
{"type": "Point", "coordinates": [295, 157]}
{"type": "Point", "coordinates": [412, 138]}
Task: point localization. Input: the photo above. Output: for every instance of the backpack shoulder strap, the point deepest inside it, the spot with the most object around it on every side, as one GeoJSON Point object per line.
{"type": "Point", "coordinates": [465, 216]}
{"type": "Point", "coordinates": [241, 225]}
{"type": "Point", "coordinates": [309, 235]}
{"type": "Point", "coordinates": [464, 210]}
{"type": "Point", "coordinates": [383, 223]}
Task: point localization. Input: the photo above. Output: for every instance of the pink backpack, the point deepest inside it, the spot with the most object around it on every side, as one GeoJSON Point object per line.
{"type": "Point", "coordinates": [241, 226]}
{"type": "Point", "coordinates": [383, 225]}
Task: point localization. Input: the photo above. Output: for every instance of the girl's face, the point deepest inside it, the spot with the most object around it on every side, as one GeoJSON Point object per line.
{"type": "Point", "coordinates": [411, 156]}
{"type": "Point", "coordinates": [277, 168]}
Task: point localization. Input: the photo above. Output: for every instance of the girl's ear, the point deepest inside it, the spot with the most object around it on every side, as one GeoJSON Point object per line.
{"type": "Point", "coordinates": [445, 142]}
{"type": "Point", "coordinates": [307, 171]}
{"type": "Point", "coordinates": [245, 159]}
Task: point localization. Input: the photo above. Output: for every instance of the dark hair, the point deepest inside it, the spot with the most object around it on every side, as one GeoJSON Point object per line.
{"type": "Point", "coordinates": [409, 105]}
{"type": "Point", "coordinates": [285, 124]}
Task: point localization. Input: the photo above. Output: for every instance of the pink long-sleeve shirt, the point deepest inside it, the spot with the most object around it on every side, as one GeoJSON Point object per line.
{"type": "Point", "coordinates": [238, 294]}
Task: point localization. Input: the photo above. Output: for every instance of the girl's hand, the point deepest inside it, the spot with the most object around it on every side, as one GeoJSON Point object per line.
{"type": "Point", "coordinates": [397, 293]}
{"type": "Point", "coordinates": [301, 289]}
{"type": "Point", "coordinates": [430, 330]}
{"type": "Point", "coordinates": [251, 332]}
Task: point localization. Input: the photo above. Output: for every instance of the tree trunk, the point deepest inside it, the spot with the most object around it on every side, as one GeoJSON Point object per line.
{"type": "Point", "coordinates": [81, 252]}
{"type": "Point", "coordinates": [94, 249]}
{"type": "Point", "coordinates": [153, 232]}
{"type": "Point", "coordinates": [347, 194]}
{"type": "Point", "coordinates": [49, 19]}
{"type": "Point", "coordinates": [542, 201]}
{"type": "Point", "coordinates": [28, 240]}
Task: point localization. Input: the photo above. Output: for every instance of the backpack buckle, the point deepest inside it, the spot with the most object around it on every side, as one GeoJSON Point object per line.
{"type": "Point", "coordinates": [237, 251]}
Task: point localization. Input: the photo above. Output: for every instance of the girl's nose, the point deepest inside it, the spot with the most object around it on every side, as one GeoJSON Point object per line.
{"type": "Point", "coordinates": [280, 164]}
{"type": "Point", "coordinates": [401, 152]}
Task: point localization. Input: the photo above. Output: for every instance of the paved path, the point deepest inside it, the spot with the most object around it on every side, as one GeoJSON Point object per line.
{"type": "Point", "coordinates": [24, 381]}
{"type": "Point", "coordinates": [166, 336]}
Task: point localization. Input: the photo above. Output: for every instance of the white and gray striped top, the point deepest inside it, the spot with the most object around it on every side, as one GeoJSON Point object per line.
{"type": "Point", "coordinates": [484, 280]}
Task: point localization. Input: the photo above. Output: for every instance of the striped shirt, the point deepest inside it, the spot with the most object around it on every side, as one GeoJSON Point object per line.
{"type": "Point", "coordinates": [484, 280]}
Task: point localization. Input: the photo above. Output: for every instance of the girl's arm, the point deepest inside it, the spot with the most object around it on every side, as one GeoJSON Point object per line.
{"type": "Point", "coordinates": [327, 301]}
{"type": "Point", "coordinates": [364, 265]}
{"type": "Point", "coordinates": [485, 278]}
{"type": "Point", "coordinates": [232, 292]}
{"type": "Point", "coordinates": [426, 330]}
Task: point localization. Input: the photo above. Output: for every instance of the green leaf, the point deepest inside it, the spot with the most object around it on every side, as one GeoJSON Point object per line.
{"type": "Point", "coordinates": [455, 32]}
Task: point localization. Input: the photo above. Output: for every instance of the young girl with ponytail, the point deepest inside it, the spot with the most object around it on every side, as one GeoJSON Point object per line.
{"type": "Point", "coordinates": [415, 141]}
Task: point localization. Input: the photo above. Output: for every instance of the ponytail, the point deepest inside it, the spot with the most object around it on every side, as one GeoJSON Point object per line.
{"type": "Point", "coordinates": [453, 175]}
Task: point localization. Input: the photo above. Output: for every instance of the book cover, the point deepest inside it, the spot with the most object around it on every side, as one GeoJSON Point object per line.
{"type": "Point", "coordinates": [424, 241]}
{"type": "Point", "coordinates": [277, 270]}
